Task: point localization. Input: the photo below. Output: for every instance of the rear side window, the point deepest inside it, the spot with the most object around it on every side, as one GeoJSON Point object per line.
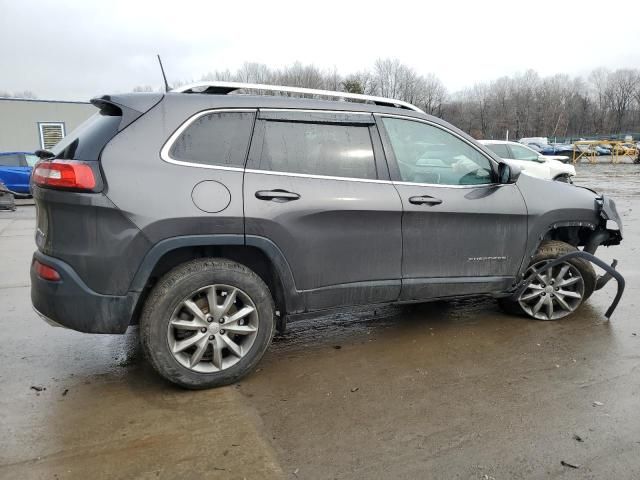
{"type": "Point", "coordinates": [318, 149]}
{"type": "Point", "coordinates": [87, 141]}
{"type": "Point", "coordinates": [499, 149]}
{"type": "Point", "coordinates": [11, 160]}
{"type": "Point", "coordinates": [217, 138]}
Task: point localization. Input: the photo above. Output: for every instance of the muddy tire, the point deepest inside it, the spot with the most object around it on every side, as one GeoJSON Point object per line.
{"type": "Point", "coordinates": [578, 276]}
{"type": "Point", "coordinates": [207, 323]}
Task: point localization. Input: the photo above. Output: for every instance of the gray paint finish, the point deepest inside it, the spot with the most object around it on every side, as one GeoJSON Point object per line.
{"type": "Point", "coordinates": [332, 241]}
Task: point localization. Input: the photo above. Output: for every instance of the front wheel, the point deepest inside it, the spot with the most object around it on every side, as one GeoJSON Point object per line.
{"type": "Point", "coordinates": [207, 323]}
{"type": "Point", "coordinates": [556, 292]}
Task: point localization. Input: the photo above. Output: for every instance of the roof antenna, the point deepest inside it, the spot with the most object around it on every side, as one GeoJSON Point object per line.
{"type": "Point", "coordinates": [166, 84]}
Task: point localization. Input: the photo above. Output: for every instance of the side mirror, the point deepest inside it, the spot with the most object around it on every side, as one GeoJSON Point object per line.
{"type": "Point", "coordinates": [541, 159]}
{"type": "Point", "coordinates": [508, 173]}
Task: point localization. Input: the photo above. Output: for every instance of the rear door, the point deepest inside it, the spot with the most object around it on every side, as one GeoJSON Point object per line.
{"type": "Point", "coordinates": [462, 232]}
{"type": "Point", "coordinates": [317, 186]}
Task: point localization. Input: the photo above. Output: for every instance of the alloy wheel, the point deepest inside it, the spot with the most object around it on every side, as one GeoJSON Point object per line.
{"type": "Point", "coordinates": [554, 292]}
{"type": "Point", "coordinates": [213, 328]}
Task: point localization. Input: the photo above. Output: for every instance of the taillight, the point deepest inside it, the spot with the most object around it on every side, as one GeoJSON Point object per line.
{"type": "Point", "coordinates": [69, 174]}
{"type": "Point", "coordinates": [46, 272]}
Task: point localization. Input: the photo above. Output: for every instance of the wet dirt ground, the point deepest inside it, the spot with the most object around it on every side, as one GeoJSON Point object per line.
{"type": "Point", "coordinates": [443, 390]}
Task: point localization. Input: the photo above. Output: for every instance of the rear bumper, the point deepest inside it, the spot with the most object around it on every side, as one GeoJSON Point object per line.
{"type": "Point", "coordinates": [71, 304]}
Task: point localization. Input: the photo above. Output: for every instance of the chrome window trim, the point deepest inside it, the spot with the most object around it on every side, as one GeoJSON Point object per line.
{"type": "Point", "coordinates": [366, 180]}
{"type": "Point", "coordinates": [441, 185]}
{"type": "Point", "coordinates": [164, 152]}
{"type": "Point", "coordinates": [320, 177]}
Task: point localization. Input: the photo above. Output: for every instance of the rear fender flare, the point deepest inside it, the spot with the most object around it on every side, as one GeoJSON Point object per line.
{"type": "Point", "coordinates": [292, 298]}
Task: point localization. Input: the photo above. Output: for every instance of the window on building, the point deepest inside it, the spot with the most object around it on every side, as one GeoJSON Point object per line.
{"type": "Point", "coordinates": [318, 149]}
{"type": "Point", "coordinates": [50, 134]}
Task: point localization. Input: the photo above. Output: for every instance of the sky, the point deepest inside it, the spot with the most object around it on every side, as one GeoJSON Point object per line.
{"type": "Point", "coordinates": [74, 50]}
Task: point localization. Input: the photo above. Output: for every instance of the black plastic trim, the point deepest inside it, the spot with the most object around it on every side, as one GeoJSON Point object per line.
{"type": "Point", "coordinates": [72, 304]}
{"type": "Point", "coordinates": [293, 299]}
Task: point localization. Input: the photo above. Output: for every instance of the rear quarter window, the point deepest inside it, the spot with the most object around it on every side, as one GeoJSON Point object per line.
{"type": "Point", "coordinates": [216, 138]}
{"type": "Point", "coordinates": [87, 141]}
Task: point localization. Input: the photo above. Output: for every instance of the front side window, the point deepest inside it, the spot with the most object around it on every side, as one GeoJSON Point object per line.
{"type": "Point", "coordinates": [318, 149]}
{"type": "Point", "coordinates": [427, 154]}
{"type": "Point", "coordinates": [499, 149]}
{"type": "Point", "coordinates": [523, 153]}
{"type": "Point", "coordinates": [216, 138]}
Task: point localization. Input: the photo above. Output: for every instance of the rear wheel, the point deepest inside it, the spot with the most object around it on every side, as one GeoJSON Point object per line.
{"type": "Point", "coordinates": [207, 323]}
{"type": "Point", "coordinates": [555, 292]}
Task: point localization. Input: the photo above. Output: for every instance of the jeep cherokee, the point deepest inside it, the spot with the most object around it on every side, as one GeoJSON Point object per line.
{"type": "Point", "coordinates": [212, 218]}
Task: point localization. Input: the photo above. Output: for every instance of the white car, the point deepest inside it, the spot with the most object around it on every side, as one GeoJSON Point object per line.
{"type": "Point", "coordinates": [530, 161]}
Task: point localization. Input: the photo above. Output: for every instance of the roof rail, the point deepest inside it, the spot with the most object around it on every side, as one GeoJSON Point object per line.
{"type": "Point", "coordinates": [223, 88]}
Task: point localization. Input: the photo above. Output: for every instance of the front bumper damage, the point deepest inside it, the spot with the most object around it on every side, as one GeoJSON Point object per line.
{"type": "Point", "coordinates": [610, 272]}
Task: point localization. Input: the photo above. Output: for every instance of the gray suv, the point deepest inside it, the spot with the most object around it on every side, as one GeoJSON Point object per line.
{"type": "Point", "coordinates": [212, 218]}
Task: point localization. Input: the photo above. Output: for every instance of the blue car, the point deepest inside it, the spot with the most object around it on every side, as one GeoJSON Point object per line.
{"type": "Point", "coordinates": [15, 170]}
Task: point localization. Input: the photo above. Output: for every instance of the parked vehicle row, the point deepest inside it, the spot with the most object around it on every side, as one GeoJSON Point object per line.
{"type": "Point", "coordinates": [591, 148]}
{"type": "Point", "coordinates": [531, 162]}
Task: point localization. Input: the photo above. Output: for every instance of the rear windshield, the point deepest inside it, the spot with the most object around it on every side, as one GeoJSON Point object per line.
{"type": "Point", "coordinates": [87, 141]}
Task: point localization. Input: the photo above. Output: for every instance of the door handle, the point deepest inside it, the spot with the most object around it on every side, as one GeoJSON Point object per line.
{"type": "Point", "coordinates": [425, 200]}
{"type": "Point", "coordinates": [277, 195]}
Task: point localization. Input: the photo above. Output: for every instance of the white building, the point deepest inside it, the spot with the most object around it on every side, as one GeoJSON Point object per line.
{"type": "Point", "coordinates": [28, 125]}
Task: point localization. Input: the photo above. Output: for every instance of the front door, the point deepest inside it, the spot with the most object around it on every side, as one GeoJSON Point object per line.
{"type": "Point", "coordinates": [462, 232]}
{"type": "Point", "coordinates": [317, 186]}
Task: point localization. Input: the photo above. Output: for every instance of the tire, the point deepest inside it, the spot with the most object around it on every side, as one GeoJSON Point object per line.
{"type": "Point", "coordinates": [177, 311]}
{"type": "Point", "coordinates": [549, 250]}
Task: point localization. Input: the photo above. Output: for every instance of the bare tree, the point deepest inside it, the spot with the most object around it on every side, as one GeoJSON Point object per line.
{"type": "Point", "coordinates": [26, 94]}
{"type": "Point", "coordinates": [523, 105]}
{"type": "Point", "coordinates": [621, 88]}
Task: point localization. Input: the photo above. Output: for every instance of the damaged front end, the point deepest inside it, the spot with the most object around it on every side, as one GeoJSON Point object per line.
{"type": "Point", "coordinates": [608, 232]}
